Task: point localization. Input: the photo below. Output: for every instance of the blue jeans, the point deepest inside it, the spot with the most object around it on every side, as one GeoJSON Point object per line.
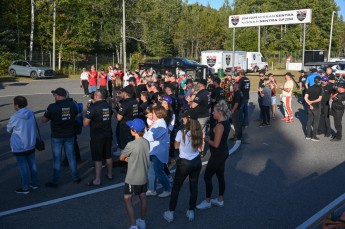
{"type": "Point", "coordinates": [57, 145]}
{"type": "Point", "coordinates": [156, 171]}
{"type": "Point", "coordinates": [244, 113]}
{"type": "Point", "coordinates": [92, 89]}
{"type": "Point", "coordinates": [23, 163]}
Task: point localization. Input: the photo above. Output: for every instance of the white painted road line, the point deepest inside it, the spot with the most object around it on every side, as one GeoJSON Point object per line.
{"type": "Point", "coordinates": [74, 196]}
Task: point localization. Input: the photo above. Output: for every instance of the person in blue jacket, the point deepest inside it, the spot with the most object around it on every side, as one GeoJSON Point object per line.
{"type": "Point", "coordinates": [23, 139]}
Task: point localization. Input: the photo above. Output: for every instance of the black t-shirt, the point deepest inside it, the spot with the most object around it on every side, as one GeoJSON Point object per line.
{"type": "Point", "coordinates": [222, 149]}
{"type": "Point", "coordinates": [62, 115]}
{"type": "Point", "coordinates": [261, 85]}
{"type": "Point", "coordinates": [313, 93]}
{"type": "Point", "coordinates": [129, 110]}
{"type": "Point", "coordinates": [327, 91]}
{"type": "Point", "coordinates": [175, 105]}
{"type": "Point", "coordinates": [339, 102]}
{"type": "Point", "coordinates": [302, 79]}
{"type": "Point", "coordinates": [244, 84]}
{"type": "Point", "coordinates": [237, 98]}
{"type": "Point", "coordinates": [202, 98]}
{"type": "Point", "coordinates": [153, 98]}
{"type": "Point", "coordinates": [217, 94]}
{"type": "Point", "coordinates": [141, 88]}
{"type": "Point", "coordinates": [100, 113]}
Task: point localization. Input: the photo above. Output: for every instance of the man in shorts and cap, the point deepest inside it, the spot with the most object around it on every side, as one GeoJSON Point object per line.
{"type": "Point", "coordinates": [62, 115]}
{"type": "Point", "coordinates": [136, 153]}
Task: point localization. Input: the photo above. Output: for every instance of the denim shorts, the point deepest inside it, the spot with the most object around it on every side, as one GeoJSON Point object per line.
{"type": "Point", "coordinates": [274, 100]}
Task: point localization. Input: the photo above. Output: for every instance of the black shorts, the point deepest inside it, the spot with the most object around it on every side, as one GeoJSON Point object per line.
{"type": "Point", "coordinates": [135, 189]}
{"type": "Point", "coordinates": [100, 149]}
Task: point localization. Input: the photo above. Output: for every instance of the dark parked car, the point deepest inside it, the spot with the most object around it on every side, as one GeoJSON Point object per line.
{"type": "Point", "coordinates": [30, 68]}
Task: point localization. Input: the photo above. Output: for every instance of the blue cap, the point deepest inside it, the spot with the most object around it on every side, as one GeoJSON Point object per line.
{"type": "Point", "coordinates": [136, 124]}
{"type": "Point", "coordinates": [167, 99]}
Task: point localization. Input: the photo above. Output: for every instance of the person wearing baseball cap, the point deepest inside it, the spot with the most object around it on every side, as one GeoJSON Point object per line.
{"type": "Point", "coordinates": [310, 79]}
{"type": "Point", "coordinates": [324, 124]}
{"type": "Point", "coordinates": [103, 79]}
{"type": "Point", "coordinates": [338, 107]}
{"type": "Point", "coordinates": [301, 84]}
{"type": "Point", "coordinates": [136, 153]}
{"type": "Point", "coordinates": [244, 85]}
{"type": "Point", "coordinates": [217, 94]}
{"type": "Point", "coordinates": [62, 115]}
{"type": "Point", "coordinates": [187, 141]}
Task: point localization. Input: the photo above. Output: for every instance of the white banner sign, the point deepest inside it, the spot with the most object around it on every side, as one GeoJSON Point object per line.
{"type": "Point", "coordinates": [271, 18]}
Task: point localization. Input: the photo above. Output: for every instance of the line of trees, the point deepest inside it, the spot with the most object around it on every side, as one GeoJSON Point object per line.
{"type": "Point", "coordinates": [156, 28]}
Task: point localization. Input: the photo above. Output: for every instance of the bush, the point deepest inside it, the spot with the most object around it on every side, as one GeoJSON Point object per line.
{"type": "Point", "coordinates": [6, 59]}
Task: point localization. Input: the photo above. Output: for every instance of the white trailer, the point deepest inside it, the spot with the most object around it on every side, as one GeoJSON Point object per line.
{"type": "Point", "coordinates": [221, 59]}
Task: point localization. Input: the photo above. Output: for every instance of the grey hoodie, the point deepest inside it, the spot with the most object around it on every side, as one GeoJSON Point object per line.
{"type": "Point", "coordinates": [23, 129]}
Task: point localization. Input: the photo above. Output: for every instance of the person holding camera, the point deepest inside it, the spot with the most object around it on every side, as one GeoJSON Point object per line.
{"type": "Point", "coordinates": [84, 82]}
{"type": "Point", "coordinates": [23, 139]}
{"type": "Point", "coordinates": [338, 107]}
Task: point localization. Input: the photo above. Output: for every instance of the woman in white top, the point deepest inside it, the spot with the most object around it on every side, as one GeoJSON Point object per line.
{"type": "Point", "coordinates": [188, 141]}
{"type": "Point", "coordinates": [84, 82]}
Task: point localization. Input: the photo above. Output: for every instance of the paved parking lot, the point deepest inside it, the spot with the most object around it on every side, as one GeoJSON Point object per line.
{"type": "Point", "coordinates": [277, 179]}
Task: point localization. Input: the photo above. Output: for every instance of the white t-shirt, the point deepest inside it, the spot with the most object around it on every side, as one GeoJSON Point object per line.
{"type": "Point", "coordinates": [288, 84]}
{"type": "Point", "coordinates": [186, 150]}
{"type": "Point", "coordinates": [84, 76]}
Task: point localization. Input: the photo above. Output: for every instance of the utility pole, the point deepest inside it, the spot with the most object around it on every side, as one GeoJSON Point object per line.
{"type": "Point", "coordinates": [54, 19]}
{"type": "Point", "coordinates": [124, 35]}
{"type": "Point", "coordinates": [330, 38]}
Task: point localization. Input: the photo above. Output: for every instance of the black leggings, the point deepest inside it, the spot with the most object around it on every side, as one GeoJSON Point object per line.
{"type": "Point", "coordinates": [215, 165]}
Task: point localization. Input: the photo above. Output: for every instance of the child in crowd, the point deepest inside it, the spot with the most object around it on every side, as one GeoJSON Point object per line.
{"type": "Point", "coordinates": [136, 153]}
{"type": "Point", "coordinates": [149, 117]}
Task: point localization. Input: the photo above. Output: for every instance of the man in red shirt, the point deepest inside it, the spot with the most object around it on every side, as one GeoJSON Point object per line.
{"type": "Point", "coordinates": [102, 75]}
{"type": "Point", "coordinates": [93, 74]}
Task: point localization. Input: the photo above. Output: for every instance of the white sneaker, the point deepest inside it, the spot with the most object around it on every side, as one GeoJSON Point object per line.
{"type": "Point", "coordinates": [164, 194]}
{"type": "Point", "coordinates": [218, 203]}
{"type": "Point", "coordinates": [169, 216]}
{"type": "Point", "coordinates": [33, 187]}
{"type": "Point", "coordinates": [204, 205]}
{"type": "Point", "coordinates": [151, 193]}
{"type": "Point", "coordinates": [190, 215]}
{"type": "Point", "coordinates": [141, 223]}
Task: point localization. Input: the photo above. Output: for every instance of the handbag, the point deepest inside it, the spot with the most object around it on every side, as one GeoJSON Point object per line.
{"type": "Point", "coordinates": [39, 143]}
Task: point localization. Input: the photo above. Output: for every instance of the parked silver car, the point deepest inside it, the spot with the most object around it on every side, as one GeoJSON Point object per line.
{"type": "Point", "coordinates": [30, 68]}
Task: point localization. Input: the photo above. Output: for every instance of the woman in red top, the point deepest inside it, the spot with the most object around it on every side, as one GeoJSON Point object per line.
{"type": "Point", "coordinates": [93, 79]}
{"type": "Point", "coordinates": [102, 79]}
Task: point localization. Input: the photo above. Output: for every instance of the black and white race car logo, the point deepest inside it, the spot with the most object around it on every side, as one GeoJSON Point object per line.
{"type": "Point", "coordinates": [211, 60]}
{"type": "Point", "coordinates": [254, 56]}
{"type": "Point", "coordinates": [227, 59]}
{"type": "Point", "coordinates": [301, 15]}
{"type": "Point", "coordinates": [235, 20]}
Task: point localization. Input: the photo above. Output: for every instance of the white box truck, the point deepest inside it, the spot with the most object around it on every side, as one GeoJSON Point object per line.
{"type": "Point", "coordinates": [221, 59]}
{"type": "Point", "coordinates": [256, 62]}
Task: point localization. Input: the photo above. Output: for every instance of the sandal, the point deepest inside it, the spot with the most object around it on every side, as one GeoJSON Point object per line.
{"type": "Point", "coordinates": [90, 183]}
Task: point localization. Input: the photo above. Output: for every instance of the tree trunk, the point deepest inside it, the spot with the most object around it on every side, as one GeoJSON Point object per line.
{"type": "Point", "coordinates": [32, 28]}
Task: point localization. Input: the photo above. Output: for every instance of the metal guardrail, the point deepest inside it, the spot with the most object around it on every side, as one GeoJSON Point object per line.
{"type": "Point", "coordinates": [331, 211]}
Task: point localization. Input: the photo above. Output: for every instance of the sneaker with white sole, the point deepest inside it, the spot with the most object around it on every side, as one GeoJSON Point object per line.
{"type": "Point", "coordinates": [33, 187]}
{"type": "Point", "coordinates": [164, 194]}
{"type": "Point", "coordinates": [151, 193]}
{"type": "Point", "coordinates": [190, 215]}
{"type": "Point", "coordinates": [216, 202]}
{"type": "Point", "coordinates": [169, 216]}
{"type": "Point", "coordinates": [22, 191]}
{"type": "Point", "coordinates": [141, 223]}
{"type": "Point", "coordinates": [204, 205]}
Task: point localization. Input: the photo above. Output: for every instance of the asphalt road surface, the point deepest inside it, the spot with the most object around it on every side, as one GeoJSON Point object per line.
{"type": "Point", "coordinates": [276, 179]}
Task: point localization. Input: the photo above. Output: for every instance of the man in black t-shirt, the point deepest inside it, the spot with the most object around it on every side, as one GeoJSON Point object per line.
{"type": "Point", "coordinates": [324, 125]}
{"type": "Point", "coordinates": [153, 88]}
{"type": "Point", "coordinates": [331, 76]}
{"type": "Point", "coordinates": [217, 94]}
{"type": "Point", "coordinates": [338, 107]}
{"type": "Point", "coordinates": [129, 110]}
{"type": "Point", "coordinates": [62, 115]}
{"type": "Point", "coordinates": [301, 83]}
{"type": "Point", "coordinates": [244, 85]}
{"type": "Point", "coordinates": [313, 98]}
{"type": "Point", "coordinates": [98, 116]}
{"type": "Point", "coordinates": [201, 104]}
{"type": "Point", "coordinates": [261, 85]}
{"type": "Point", "coordinates": [170, 90]}
{"type": "Point", "coordinates": [236, 104]}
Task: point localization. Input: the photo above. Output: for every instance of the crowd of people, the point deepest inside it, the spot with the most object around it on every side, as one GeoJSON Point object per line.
{"type": "Point", "coordinates": [162, 121]}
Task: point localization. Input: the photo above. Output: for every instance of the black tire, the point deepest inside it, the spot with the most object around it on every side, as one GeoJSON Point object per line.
{"type": "Point", "coordinates": [34, 75]}
{"type": "Point", "coordinates": [13, 73]}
